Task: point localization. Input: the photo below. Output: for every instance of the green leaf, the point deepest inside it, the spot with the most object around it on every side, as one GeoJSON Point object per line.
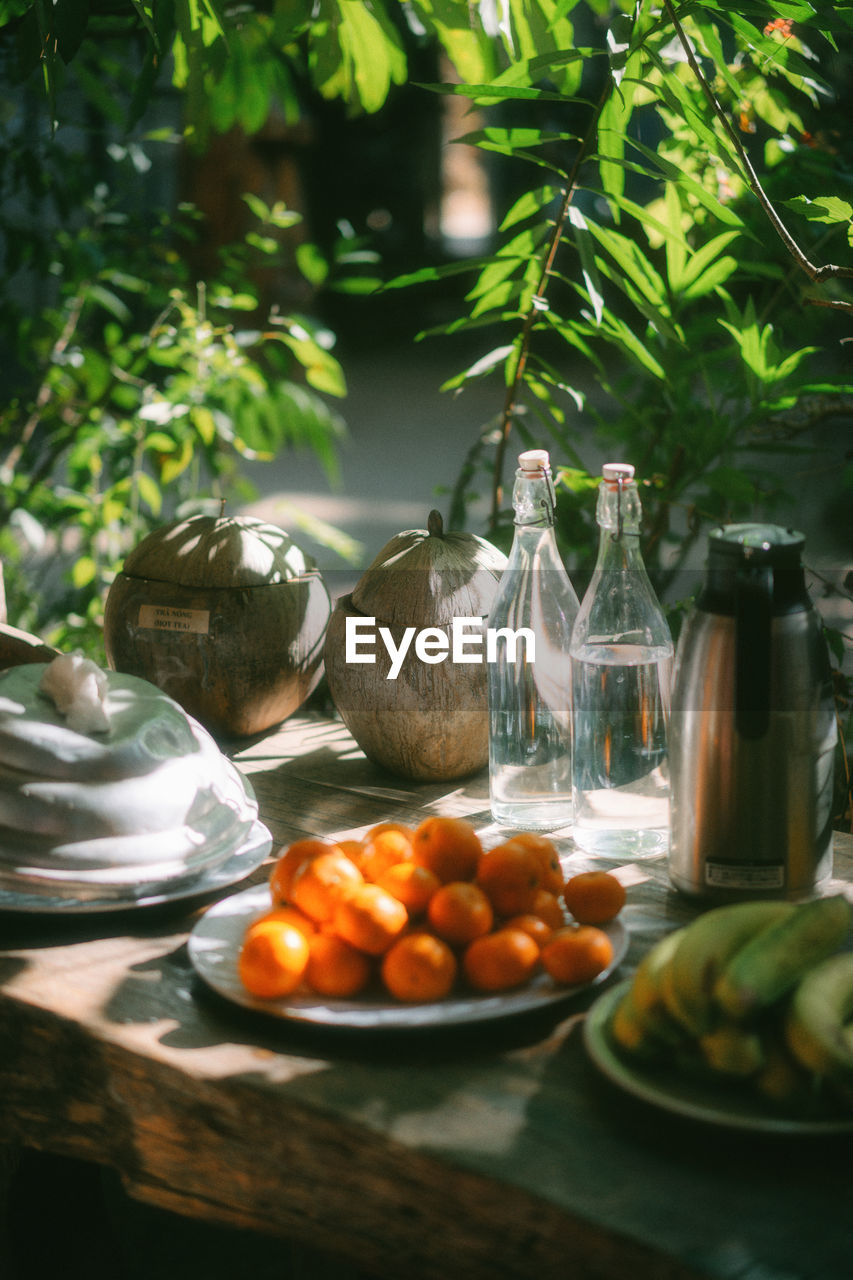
{"type": "Point", "coordinates": [204, 423]}
{"type": "Point", "coordinates": [716, 274]}
{"type": "Point", "coordinates": [522, 249]}
{"type": "Point", "coordinates": [312, 263]}
{"type": "Point", "coordinates": [355, 52]}
{"type": "Point", "coordinates": [612, 129]}
{"type": "Point", "coordinates": [11, 9]}
{"type": "Point", "coordinates": [472, 51]}
{"type": "Point", "coordinates": [264, 244]}
{"type": "Point", "coordinates": [149, 491]}
{"type": "Point", "coordinates": [485, 95]}
{"type": "Point", "coordinates": [829, 209]}
{"type": "Point", "coordinates": [624, 337]}
{"type": "Point", "coordinates": [234, 301]}
{"type": "Point", "coordinates": [176, 463]}
{"type": "Point", "coordinates": [575, 335]}
{"type": "Point", "coordinates": [70, 19]}
{"type": "Point", "coordinates": [356, 285]}
{"type": "Point", "coordinates": [480, 368]}
{"type": "Point", "coordinates": [674, 242]}
{"type": "Point", "coordinates": [583, 243]}
{"type": "Point", "coordinates": [618, 38]}
{"type": "Point", "coordinates": [683, 103]}
{"type": "Point", "coordinates": [428, 275]}
{"type": "Point", "coordinates": [323, 533]}
{"type": "Point", "coordinates": [123, 280]}
{"type": "Point", "coordinates": [110, 301]}
{"type": "Point", "coordinates": [322, 370]}
{"type": "Point", "coordinates": [159, 442]}
{"type": "Point", "coordinates": [499, 296]}
{"type": "Point", "coordinates": [541, 29]}
{"type": "Point", "coordinates": [709, 37]}
{"type": "Point", "coordinates": [145, 12]}
{"type": "Point", "coordinates": [629, 257]}
{"type": "Point", "coordinates": [510, 142]}
{"type": "Point", "coordinates": [792, 362]}
{"type": "Point", "coordinates": [725, 213]}
{"type": "Point", "coordinates": [577, 481]}
{"type": "Point", "coordinates": [531, 205]}
{"type": "Point", "coordinates": [83, 572]}
{"type": "Point", "coordinates": [755, 343]}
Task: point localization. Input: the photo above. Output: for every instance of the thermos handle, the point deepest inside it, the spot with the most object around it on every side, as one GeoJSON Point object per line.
{"type": "Point", "coordinates": [753, 618]}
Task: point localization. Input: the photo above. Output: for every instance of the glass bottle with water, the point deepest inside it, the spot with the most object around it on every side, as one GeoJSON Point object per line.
{"type": "Point", "coordinates": [529, 674]}
{"type": "Point", "coordinates": [621, 674]}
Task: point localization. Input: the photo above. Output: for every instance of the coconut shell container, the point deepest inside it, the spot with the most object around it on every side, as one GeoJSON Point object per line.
{"type": "Point", "coordinates": [429, 720]}
{"type": "Point", "coordinates": [226, 615]}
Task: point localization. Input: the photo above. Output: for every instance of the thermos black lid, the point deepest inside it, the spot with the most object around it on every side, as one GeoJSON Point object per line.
{"type": "Point", "coordinates": [757, 544]}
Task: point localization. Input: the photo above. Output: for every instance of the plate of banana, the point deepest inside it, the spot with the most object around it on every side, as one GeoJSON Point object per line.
{"type": "Point", "coordinates": [740, 1018]}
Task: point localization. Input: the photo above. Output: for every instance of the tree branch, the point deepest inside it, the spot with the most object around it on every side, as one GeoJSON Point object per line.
{"type": "Point", "coordinates": [514, 385]}
{"type": "Point", "coordinates": [817, 274]}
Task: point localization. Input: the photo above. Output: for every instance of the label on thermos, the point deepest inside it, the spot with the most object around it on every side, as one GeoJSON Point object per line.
{"type": "Point", "coordinates": [745, 875]}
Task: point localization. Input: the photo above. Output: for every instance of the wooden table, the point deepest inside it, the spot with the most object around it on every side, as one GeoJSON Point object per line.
{"type": "Point", "coordinates": [492, 1151]}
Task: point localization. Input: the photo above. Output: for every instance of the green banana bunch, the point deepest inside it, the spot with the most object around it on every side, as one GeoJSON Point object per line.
{"type": "Point", "coordinates": [641, 1021]}
{"type": "Point", "coordinates": [752, 991]}
{"type": "Point", "coordinates": [817, 1024]}
{"type": "Point", "coordinates": [707, 946]}
{"type": "Point", "coordinates": [772, 962]}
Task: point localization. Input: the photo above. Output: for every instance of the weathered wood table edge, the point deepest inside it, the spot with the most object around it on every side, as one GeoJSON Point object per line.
{"type": "Point", "coordinates": [496, 1146]}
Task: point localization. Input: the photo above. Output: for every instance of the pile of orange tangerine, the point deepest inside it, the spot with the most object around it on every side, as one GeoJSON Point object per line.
{"type": "Point", "coordinates": [426, 908]}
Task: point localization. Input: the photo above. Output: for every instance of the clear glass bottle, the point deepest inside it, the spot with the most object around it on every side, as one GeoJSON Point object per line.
{"type": "Point", "coordinates": [621, 677]}
{"type": "Point", "coordinates": [529, 672]}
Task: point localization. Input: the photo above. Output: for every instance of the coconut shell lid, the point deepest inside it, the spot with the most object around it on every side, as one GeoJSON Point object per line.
{"type": "Point", "coordinates": [218, 551]}
{"type": "Point", "coordinates": [426, 577]}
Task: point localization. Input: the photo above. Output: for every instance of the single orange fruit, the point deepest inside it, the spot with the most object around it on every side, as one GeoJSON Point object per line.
{"type": "Point", "coordinates": [509, 875]}
{"type": "Point", "coordinates": [549, 908]}
{"type": "Point", "coordinates": [577, 954]}
{"type": "Point", "coordinates": [289, 861]}
{"type": "Point", "coordinates": [419, 967]}
{"type": "Point", "coordinates": [550, 870]}
{"type": "Point", "coordinates": [384, 850]}
{"type": "Point", "coordinates": [459, 912]}
{"type": "Point", "coordinates": [320, 883]}
{"type": "Point", "coordinates": [449, 847]}
{"type": "Point", "coordinates": [500, 961]}
{"type": "Point", "coordinates": [290, 915]}
{"type": "Point", "coordinates": [335, 968]}
{"type": "Point", "coordinates": [539, 930]}
{"type": "Point", "coordinates": [594, 897]}
{"type": "Point", "coordinates": [272, 959]}
{"type": "Point", "coordinates": [370, 919]}
{"type": "Point", "coordinates": [380, 827]}
{"type": "Point", "coordinates": [353, 849]}
{"type": "Point", "coordinates": [410, 884]}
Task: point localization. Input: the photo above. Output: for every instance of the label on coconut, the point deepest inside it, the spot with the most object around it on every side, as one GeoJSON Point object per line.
{"type": "Point", "coordinates": [162, 617]}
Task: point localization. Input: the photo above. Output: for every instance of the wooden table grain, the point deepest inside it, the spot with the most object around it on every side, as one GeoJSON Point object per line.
{"type": "Point", "coordinates": [494, 1150]}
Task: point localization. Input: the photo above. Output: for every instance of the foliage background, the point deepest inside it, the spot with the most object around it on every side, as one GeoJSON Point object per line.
{"type": "Point", "coordinates": [674, 198]}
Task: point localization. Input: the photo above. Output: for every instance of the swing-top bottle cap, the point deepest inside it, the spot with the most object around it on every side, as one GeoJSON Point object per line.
{"type": "Point", "coordinates": [615, 471]}
{"type": "Point", "coordinates": [534, 460]}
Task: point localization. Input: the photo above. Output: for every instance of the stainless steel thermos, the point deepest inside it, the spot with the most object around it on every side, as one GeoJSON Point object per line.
{"type": "Point", "coordinates": [752, 728]}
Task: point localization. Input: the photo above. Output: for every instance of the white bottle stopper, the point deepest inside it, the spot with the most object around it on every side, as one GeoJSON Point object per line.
{"type": "Point", "coordinates": [534, 460]}
{"type": "Point", "coordinates": [617, 471]}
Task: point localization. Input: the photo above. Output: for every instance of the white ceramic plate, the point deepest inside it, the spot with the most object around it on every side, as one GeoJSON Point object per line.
{"type": "Point", "coordinates": [240, 863]}
{"type": "Point", "coordinates": [215, 942]}
{"type": "Point", "coordinates": [685, 1096]}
